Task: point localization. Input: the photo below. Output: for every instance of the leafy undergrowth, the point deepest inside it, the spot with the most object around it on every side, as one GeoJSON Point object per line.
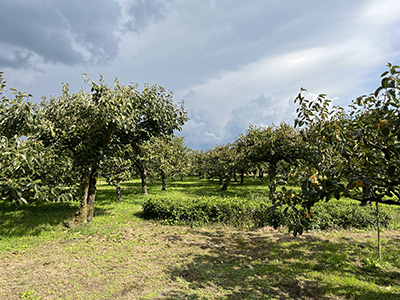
{"type": "Point", "coordinates": [120, 256]}
{"type": "Point", "coordinates": [256, 212]}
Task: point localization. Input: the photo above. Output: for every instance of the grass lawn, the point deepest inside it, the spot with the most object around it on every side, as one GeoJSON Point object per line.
{"type": "Point", "coordinates": [121, 256]}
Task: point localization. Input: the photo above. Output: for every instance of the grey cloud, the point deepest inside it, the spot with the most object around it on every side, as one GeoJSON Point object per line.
{"type": "Point", "coordinates": [144, 13]}
{"type": "Point", "coordinates": [198, 135]}
{"type": "Point", "coordinates": [93, 23]}
{"type": "Point", "coordinates": [67, 32]}
{"type": "Point", "coordinates": [263, 110]}
{"type": "Point", "coordinates": [227, 52]}
{"type": "Point", "coordinates": [16, 60]}
{"type": "Point", "coordinates": [199, 131]}
{"type": "Point", "coordinates": [207, 40]}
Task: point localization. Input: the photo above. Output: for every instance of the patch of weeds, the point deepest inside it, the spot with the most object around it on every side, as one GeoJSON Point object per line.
{"type": "Point", "coordinates": [374, 265]}
{"type": "Point", "coordinates": [29, 295]}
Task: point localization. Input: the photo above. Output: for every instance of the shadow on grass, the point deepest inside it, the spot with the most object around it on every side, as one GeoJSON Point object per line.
{"type": "Point", "coordinates": [254, 267]}
{"type": "Point", "coordinates": [31, 219]}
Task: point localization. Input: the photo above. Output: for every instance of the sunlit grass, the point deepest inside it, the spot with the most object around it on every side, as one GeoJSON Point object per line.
{"type": "Point", "coordinates": [121, 256]}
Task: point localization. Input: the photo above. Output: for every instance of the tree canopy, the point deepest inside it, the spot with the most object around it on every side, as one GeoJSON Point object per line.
{"type": "Point", "coordinates": [86, 128]}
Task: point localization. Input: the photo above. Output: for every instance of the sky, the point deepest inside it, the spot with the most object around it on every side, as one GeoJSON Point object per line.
{"type": "Point", "coordinates": [233, 63]}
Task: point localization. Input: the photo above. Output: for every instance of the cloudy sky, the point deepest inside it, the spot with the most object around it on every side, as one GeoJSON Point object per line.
{"type": "Point", "coordinates": [232, 62]}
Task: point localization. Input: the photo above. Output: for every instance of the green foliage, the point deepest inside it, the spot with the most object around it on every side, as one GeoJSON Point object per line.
{"type": "Point", "coordinates": [346, 215]}
{"type": "Point", "coordinates": [277, 149]}
{"type": "Point", "coordinates": [165, 156]}
{"type": "Point", "coordinates": [95, 130]}
{"type": "Point", "coordinates": [257, 212]}
{"type": "Point", "coordinates": [15, 114]}
{"type": "Point", "coordinates": [358, 152]}
{"type": "Point", "coordinates": [354, 154]}
{"type": "Point", "coordinates": [373, 265]}
{"type": "Point", "coordinates": [50, 148]}
{"type": "Point", "coordinates": [233, 211]}
{"type": "Point", "coordinates": [30, 171]}
{"type": "Point", "coordinates": [221, 162]}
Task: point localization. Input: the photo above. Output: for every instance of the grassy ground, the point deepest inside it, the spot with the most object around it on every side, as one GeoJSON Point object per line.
{"type": "Point", "coordinates": [121, 256]}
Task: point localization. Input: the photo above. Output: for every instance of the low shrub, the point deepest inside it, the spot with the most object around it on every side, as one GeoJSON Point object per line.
{"type": "Point", "coordinates": [344, 214]}
{"type": "Point", "coordinates": [194, 211]}
{"type": "Point", "coordinates": [256, 212]}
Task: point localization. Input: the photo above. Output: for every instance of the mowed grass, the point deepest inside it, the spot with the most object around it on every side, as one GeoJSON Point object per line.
{"type": "Point", "coordinates": [121, 256]}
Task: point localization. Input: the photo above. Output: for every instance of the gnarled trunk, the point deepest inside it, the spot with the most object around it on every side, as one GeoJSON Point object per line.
{"type": "Point", "coordinates": [86, 209]}
{"type": "Point", "coordinates": [117, 184]}
{"type": "Point", "coordinates": [118, 189]}
{"type": "Point", "coordinates": [226, 183]}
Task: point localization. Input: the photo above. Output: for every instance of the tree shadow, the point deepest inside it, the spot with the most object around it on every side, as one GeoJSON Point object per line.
{"type": "Point", "coordinates": [31, 219]}
{"type": "Point", "coordinates": [253, 266]}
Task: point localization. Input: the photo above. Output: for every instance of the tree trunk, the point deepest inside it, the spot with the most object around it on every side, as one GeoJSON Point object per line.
{"type": "Point", "coordinates": [164, 185]}
{"type": "Point", "coordinates": [241, 177]}
{"type": "Point", "coordinates": [226, 184]}
{"type": "Point", "coordinates": [92, 195]}
{"type": "Point", "coordinates": [272, 181]}
{"type": "Point", "coordinates": [117, 184]}
{"type": "Point", "coordinates": [143, 176]}
{"type": "Point", "coordinates": [261, 175]}
{"type": "Point", "coordinates": [221, 180]}
{"type": "Point", "coordinates": [89, 188]}
{"type": "Point", "coordinates": [86, 209]}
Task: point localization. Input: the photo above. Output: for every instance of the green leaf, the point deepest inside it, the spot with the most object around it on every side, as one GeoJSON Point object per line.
{"type": "Point", "coordinates": [384, 73]}
{"type": "Point", "coordinates": [378, 90]}
{"type": "Point", "coordinates": [384, 83]}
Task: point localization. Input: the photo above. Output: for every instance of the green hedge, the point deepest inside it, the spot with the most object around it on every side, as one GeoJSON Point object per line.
{"type": "Point", "coordinates": [255, 213]}
{"type": "Point", "coordinates": [195, 211]}
{"type": "Point", "coordinates": [344, 214]}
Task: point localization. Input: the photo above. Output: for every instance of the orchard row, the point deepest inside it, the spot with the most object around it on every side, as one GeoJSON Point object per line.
{"type": "Point", "coordinates": [55, 150]}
